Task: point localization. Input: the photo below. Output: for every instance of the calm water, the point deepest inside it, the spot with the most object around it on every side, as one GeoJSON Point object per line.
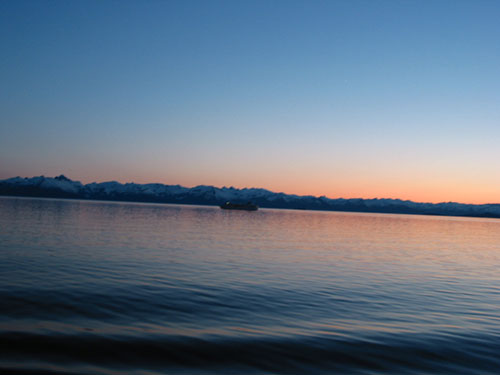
{"type": "Point", "coordinates": [121, 288]}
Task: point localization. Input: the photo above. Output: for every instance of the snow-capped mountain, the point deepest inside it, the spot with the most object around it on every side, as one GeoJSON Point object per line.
{"type": "Point", "coordinates": [63, 187]}
{"type": "Point", "coordinates": [60, 184]}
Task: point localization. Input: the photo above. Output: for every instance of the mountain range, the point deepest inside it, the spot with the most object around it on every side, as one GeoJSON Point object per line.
{"type": "Point", "coordinates": [63, 187]}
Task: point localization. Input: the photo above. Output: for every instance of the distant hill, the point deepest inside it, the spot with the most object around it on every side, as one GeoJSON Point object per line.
{"type": "Point", "coordinates": [63, 187]}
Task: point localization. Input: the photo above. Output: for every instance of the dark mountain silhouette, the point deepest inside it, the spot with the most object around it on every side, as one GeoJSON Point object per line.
{"type": "Point", "coordinates": [63, 187]}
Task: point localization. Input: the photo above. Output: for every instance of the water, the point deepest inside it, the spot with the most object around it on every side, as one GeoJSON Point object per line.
{"type": "Point", "coordinates": [123, 288]}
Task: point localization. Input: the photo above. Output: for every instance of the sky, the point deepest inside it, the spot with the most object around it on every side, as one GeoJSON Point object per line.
{"type": "Point", "coordinates": [387, 99]}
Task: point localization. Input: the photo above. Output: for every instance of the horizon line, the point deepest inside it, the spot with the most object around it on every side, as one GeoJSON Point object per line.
{"type": "Point", "coordinates": [258, 188]}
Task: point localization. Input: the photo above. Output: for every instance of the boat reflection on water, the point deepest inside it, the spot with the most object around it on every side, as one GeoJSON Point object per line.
{"type": "Point", "coordinates": [239, 206]}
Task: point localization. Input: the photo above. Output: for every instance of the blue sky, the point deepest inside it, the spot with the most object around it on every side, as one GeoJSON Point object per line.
{"type": "Point", "coordinates": [342, 98]}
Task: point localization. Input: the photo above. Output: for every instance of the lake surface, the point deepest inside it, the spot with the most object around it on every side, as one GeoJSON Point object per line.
{"type": "Point", "coordinates": [124, 288]}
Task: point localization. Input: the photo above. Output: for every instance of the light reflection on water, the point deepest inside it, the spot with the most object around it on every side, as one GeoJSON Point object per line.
{"type": "Point", "coordinates": [143, 278]}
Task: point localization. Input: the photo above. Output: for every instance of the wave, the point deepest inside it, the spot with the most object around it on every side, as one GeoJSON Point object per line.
{"type": "Point", "coordinates": [293, 355]}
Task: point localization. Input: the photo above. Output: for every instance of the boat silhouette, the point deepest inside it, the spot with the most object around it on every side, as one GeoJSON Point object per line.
{"type": "Point", "coordinates": [239, 206]}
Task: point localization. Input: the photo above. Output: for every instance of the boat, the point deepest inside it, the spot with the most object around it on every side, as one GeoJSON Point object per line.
{"type": "Point", "coordinates": [239, 206]}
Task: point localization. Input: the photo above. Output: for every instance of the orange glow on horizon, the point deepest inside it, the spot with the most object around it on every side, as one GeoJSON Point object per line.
{"type": "Point", "coordinates": [433, 186]}
{"type": "Point", "coordinates": [423, 191]}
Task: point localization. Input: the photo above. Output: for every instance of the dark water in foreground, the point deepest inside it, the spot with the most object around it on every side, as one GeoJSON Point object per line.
{"type": "Point", "coordinates": [121, 288]}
